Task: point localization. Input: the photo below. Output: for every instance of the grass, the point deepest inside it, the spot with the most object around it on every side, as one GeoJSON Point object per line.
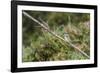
{"type": "Point", "coordinates": [43, 46]}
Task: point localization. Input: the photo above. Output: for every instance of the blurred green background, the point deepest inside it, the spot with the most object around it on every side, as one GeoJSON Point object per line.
{"type": "Point", "coordinates": [40, 45]}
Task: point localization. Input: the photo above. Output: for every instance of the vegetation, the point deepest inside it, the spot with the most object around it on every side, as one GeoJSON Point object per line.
{"type": "Point", "coordinates": [40, 45]}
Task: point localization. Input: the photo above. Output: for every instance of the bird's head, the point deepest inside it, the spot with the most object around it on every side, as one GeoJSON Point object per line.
{"type": "Point", "coordinates": [66, 34]}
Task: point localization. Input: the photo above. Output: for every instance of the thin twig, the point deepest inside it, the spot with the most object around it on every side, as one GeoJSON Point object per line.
{"type": "Point", "coordinates": [46, 24]}
{"type": "Point", "coordinates": [53, 33]}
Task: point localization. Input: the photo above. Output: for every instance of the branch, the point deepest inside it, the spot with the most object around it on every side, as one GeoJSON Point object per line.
{"type": "Point", "coordinates": [53, 33]}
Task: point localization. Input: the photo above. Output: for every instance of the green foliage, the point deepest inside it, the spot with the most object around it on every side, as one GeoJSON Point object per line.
{"type": "Point", "coordinates": [40, 45]}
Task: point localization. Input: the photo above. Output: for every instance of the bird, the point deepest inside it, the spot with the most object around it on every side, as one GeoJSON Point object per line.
{"type": "Point", "coordinates": [66, 37]}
